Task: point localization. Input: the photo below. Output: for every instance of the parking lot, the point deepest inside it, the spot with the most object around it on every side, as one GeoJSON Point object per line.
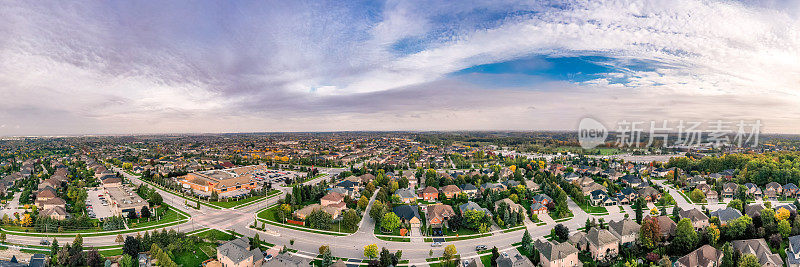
{"type": "Point", "coordinates": [96, 206]}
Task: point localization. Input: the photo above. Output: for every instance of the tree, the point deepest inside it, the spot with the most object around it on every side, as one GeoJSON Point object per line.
{"type": "Point", "coordinates": [376, 212]}
{"type": "Point", "coordinates": [390, 222]}
{"type": "Point", "coordinates": [145, 212]}
{"type": "Point", "coordinates": [449, 252]}
{"type": "Point", "coordinates": [748, 260]}
{"type": "Point", "coordinates": [3, 237]}
{"type": "Point", "coordinates": [126, 261]}
{"type": "Point", "coordinates": [93, 258]}
{"type": "Point", "coordinates": [712, 234]}
{"type": "Point", "coordinates": [527, 241]}
{"type": "Point", "coordinates": [784, 228]}
{"type": "Point", "coordinates": [255, 242]}
{"type": "Point", "coordinates": [650, 233]}
{"type": "Point", "coordinates": [327, 258]}
{"type": "Point", "coordinates": [155, 199]}
{"type": "Point", "coordinates": [319, 219]}
{"type": "Point", "coordinates": [736, 204]}
{"type": "Point", "coordinates": [561, 232]}
{"type": "Point", "coordinates": [638, 208]}
{"type": "Point", "coordinates": [676, 213]}
{"type": "Point", "coordinates": [53, 246]}
{"type": "Point", "coordinates": [698, 196]}
{"type": "Point", "coordinates": [728, 256]}
{"type": "Point", "coordinates": [782, 214]}
{"type": "Point", "coordinates": [131, 246]}
{"type": "Point", "coordinates": [495, 255]}
{"type": "Point", "coordinates": [363, 202]}
{"type": "Point", "coordinates": [119, 239]}
{"type": "Point", "coordinates": [685, 237]}
{"type": "Point", "coordinates": [371, 251]}
{"type": "Point", "coordinates": [386, 257]}
{"type": "Point", "coordinates": [350, 220]}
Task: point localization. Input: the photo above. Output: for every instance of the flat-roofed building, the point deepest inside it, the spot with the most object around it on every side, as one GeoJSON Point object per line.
{"type": "Point", "coordinates": [124, 201]}
{"type": "Point", "coordinates": [221, 181]}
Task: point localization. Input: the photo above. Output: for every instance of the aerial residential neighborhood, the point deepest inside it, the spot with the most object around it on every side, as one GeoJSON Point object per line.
{"type": "Point", "coordinates": [384, 133]}
{"type": "Point", "coordinates": [247, 208]}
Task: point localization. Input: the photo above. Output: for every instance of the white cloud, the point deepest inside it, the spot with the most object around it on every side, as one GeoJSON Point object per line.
{"type": "Point", "coordinates": [149, 67]}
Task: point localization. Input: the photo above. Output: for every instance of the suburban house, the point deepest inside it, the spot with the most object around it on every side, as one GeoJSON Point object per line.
{"type": "Point", "coordinates": [307, 210]}
{"type": "Point", "coordinates": [601, 198]}
{"type": "Point", "coordinates": [759, 248]}
{"type": "Point", "coordinates": [753, 191]}
{"type": "Point", "coordinates": [729, 189]}
{"type": "Point", "coordinates": [698, 218]}
{"type": "Point", "coordinates": [408, 214]}
{"type": "Point", "coordinates": [633, 181]}
{"type": "Point", "coordinates": [790, 190]}
{"type": "Point", "coordinates": [437, 215]}
{"type": "Point", "coordinates": [554, 254]}
{"type": "Point", "coordinates": [430, 194]}
{"type": "Point", "coordinates": [705, 256]}
{"type": "Point", "coordinates": [649, 194]}
{"type": "Point", "coordinates": [601, 243]}
{"type": "Point", "coordinates": [726, 215]}
{"type": "Point", "coordinates": [513, 207]}
{"type": "Point", "coordinates": [627, 195]}
{"type": "Point", "coordinates": [513, 261]}
{"type": "Point", "coordinates": [626, 230]}
{"type": "Point", "coordinates": [469, 189]}
{"type": "Point", "coordinates": [705, 188]}
{"type": "Point", "coordinates": [406, 195]}
{"type": "Point", "coordinates": [237, 253]}
{"type": "Point", "coordinates": [542, 198]}
{"type": "Point", "coordinates": [773, 190]}
{"type": "Point", "coordinates": [333, 199]}
{"type": "Point", "coordinates": [788, 206]}
{"type": "Point", "coordinates": [793, 252]}
{"type": "Point", "coordinates": [538, 208]}
{"type": "Point", "coordinates": [666, 225]}
{"type": "Point", "coordinates": [753, 210]}
{"type": "Point", "coordinates": [287, 260]}
{"type": "Point", "coordinates": [451, 191]}
{"type": "Point", "coordinates": [473, 206]}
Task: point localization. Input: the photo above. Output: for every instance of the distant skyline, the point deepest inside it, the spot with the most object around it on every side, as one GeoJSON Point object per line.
{"type": "Point", "coordinates": [141, 67]}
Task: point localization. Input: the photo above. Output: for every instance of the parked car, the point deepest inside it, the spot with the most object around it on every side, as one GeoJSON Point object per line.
{"type": "Point", "coordinates": [44, 242]}
{"type": "Point", "coordinates": [436, 244]}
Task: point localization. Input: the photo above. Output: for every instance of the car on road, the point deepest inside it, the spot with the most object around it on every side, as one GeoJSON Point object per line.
{"type": "Point", "coordinates": [480, 247]}
{"type": "Point", "coordinates": [44, 242]}
{"type": "Point", "coordinates": [436, 244]}
{"type": "Point", "coordinates": [466, 263]}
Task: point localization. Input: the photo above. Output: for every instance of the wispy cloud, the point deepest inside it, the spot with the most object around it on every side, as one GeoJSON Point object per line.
{"type": "Point", "coordinates": [119, 67]}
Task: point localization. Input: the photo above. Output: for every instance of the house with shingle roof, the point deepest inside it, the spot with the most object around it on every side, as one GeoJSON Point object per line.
{"type": "Point", "coordinates": [726, 215]}
{"type": "Point", "coordinates": [793, 252]}
{"type": "Point", "coordinates": [698, 218]}
{"type": "Point", "coordinates": [406, 195]}
{"type": "Point", "coordinates": [601, 243]}
{"type": "Point", "coordinates": [554, 254]}
{"type": "Point", "coordinates": [237, 253]}
{"type": "Point", "coordinates": [759, 248]}
{"type": "Point", "coordinates": [473, 206]}
{"type": "Point", "coordinates": [626, 230]}
{"type": "Point", "coordinates": [705, 256]}
{"type": "Point", "coordinates": [665, 224]}
{"type": "Point", "coordinates": [451, 191]}
{"type": "Point", "coordinates": [408, 214]}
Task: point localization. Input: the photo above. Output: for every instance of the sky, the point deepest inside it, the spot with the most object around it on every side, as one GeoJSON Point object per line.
{"type": "Point", "coordinates": [137, 67]}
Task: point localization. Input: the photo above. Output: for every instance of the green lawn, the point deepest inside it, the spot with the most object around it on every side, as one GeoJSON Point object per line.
{"type": "Point", "coordinates": [253, 199]}
{"type": "Point", "coordinates": [192, 257]}
{"type": "Point", "coordinates": [268, 216]}
{"type": "Point", "coordinates": [214, 235]}
{"type": "Point", "coordinates": [588, 208]}
{"type": "Point", "coordinates": [109, 253]}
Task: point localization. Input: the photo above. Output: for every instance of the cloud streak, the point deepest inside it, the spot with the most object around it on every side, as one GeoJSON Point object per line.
{"type": "Point", "coordinates": [151, 67]}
